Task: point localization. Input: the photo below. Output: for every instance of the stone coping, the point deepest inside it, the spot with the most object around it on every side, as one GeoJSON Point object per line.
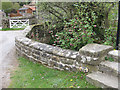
{"type": "Point", "coordinates": [48, 48]}
{"type": "Point", "coordinates": [95, 50]}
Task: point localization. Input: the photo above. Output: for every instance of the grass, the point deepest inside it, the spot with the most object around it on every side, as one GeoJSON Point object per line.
{"type": "Point", "coordinates": [34, 75]}
{"type": "Point", "coordinates": [10, 29]}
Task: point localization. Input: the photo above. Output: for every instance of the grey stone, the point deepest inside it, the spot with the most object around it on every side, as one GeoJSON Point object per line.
{"type": "Point", "coordinates": [73, 56]}
{"type": "Point", "coordinates": [36, 56]}
{"type": "Point", "coordinates": [51, 63]}
{"type": "Point", "coordinates": [55, 58]}
{"type": "Point", "coordinates": [89, 60]}
{"type": "Point", "coordinates": [91, 68]}
{"type": "Point", "coordinates": [67, 61]}
{"type": "Point", "coordinates": [44, 55]}
{"type": "Point", "coordinates": [108, 67]}
{"type": "Point", "coordinates": [43, 59]}
{"type": "Point", "coordinates": [95, 50]}
{"type": "Point", "coordinates": [74, 69]}
{"type": "Point", "coordinates": [55, 64]}
{"type": "Point", "coordinates": [102, 80]}
{"type": "Point", "coordinates": [115, 54]}
{"type": "Point", "coordinates": [93, 61]}
{"type": "Point", "coordinates": [67, 67]}
{"type": "Point", "coordinates": [27, 42]}
{"type": "Point", "coordinates": [79, 58]}
{"type": "Point", "coordinates": [60, 65]}
{"type": "Point", "coordinates": [37, 52]}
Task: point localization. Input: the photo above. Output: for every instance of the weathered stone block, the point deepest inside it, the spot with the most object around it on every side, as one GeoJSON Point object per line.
{"type": "Point", "coordinates": [110, 68]}
{"type": "Point", "coordinates": [37, 52]}
{"type": "Point", "coordinates": [115, 54]}
{"type": "Point", "coordinates": [67, 67]}
{"type": "Point", "coordinates": [60, 66]}
{"type": "Point", "coordinates": [91, 68]}
{"type": "Point", "coordinates": [74, 69]}
{"type": "Point", "coordinates": [25, 51]}
{"type": "Point", "coordinates": [36, 56]}
{"type": "Point", "coordinates": [102, 80]}
{"type": "Point", "coordinates": [29, 52]}
{"type": "Point", "coordinates": [51, 63]}
{"type": "Point", "coordinates": [67, 61]}
{"type": "Point", "coordinates": [49, 56]}
{"type": "Point", "coordinates": [31, 58]}
{"type": "Point", "coordinates": [55, 64]}
{"type": "Point", "coordinates": [95, 50]}
{"type": "Point", "coordinates": [93, 53]}
{"type": "Point", "coordinates": [56, 58]}
{"type": "Point", "coordinates": [88, 60]}
{"type": "Point", "coordinates": [35, 45]}
{"type": "Point", "coordinates": [27, 42]}
{"type": "Point", "coordinates": [43, 59]}
{"type": "Point", "coordinates": [44, 55]}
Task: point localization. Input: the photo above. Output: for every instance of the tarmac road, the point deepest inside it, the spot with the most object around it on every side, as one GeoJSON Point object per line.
{"type": "Point", "coordinates": [8, 60]}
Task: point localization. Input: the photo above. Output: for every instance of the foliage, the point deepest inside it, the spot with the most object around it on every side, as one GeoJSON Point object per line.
{"type": "Point", "coordinates": [60, 10]}
{"type": "Point", "coordinates": [109, 59]}
{"type": "Point", "coordinates": [24, 2]}
{"type": "Point", "coordinates": [34, 75]}
{"type": "Point", "coordinates": [9, 6]}
{"type": "Point", "coordinates": [77, 32]}
{"type": "Point", "coordinates": [16, 6]}
{"type": "Point", "coordinates": [82, 29]}
{"type": "Point", "coordinates": [92, 23]}
{"type": "Point", "coordinates": [109, 37]}
{"type": "Point", "coordinates": [55, 11]}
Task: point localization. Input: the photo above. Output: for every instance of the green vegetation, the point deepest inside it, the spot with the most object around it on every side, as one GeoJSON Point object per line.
{"type": "Point", "coordinates": [9, 6]}
{"type": "Point", "coordinates": [109, 59]}
{"type": "Point", "coordinates": [34, 75]}
{"type": "Point", "coordinates": [10, 29]}
{"type": "Point", "coordinates": [73, 25]}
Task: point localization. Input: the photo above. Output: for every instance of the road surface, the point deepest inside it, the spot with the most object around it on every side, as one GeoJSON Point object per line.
{"type": "Point", "coordinates": [8, 60]}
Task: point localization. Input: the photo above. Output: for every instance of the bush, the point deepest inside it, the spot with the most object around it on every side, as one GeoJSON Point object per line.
{"type": "Point", "coordinates": [77, 32]}
{"type": "Point", "coordinates": [110, 37]}
{"type": "Point", "coordinates": [79, 24]}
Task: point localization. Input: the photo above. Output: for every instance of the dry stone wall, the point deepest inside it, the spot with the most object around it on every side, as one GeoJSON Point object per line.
{"type": "Point", "coordinates": [88, 57]}
{"type": "Point", "coordinates": [51, 56]}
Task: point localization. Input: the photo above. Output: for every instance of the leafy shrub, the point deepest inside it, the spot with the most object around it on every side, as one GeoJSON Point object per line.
{"type": "Point", "coordinates": [109, 37]}
{"type": "Point", "coordinates": [79, 24]}
{"type": "Point", "coordinates": [77, 32]}
{"type": "Point", "coordinates": [82, 29]}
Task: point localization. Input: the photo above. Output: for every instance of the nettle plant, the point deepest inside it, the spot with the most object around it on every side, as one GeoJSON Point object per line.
{"type": "Point", "coordinates": [76, 33]}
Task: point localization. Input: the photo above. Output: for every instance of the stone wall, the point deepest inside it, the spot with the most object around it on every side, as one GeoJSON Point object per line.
{"type": "Point", "coordinates": [51, 56]}
{"type": "Point", "coordinates": [87, 58]}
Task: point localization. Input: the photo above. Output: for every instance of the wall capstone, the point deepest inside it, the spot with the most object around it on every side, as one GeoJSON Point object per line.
{"type": "Point", "coordinates": [94, 53]}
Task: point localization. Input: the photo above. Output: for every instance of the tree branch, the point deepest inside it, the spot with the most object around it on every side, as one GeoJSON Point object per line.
{"type": "Point", "coordinates": [54, 14]}
{"type": "Point", "coordinates": [55, 10]}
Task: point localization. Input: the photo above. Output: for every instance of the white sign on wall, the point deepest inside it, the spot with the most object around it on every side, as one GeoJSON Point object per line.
{"type": "Point", "coordinates": [19, 23]}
